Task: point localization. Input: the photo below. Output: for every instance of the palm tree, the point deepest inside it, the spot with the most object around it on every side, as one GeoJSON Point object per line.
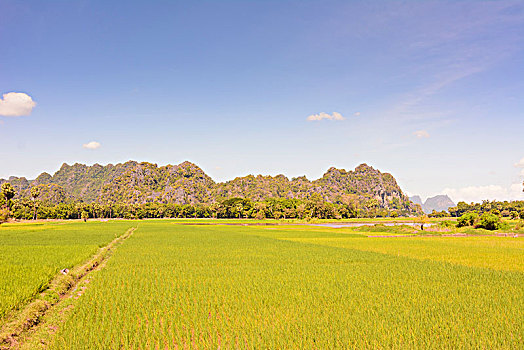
{"type": "Point", "coordinates": [9, 192]}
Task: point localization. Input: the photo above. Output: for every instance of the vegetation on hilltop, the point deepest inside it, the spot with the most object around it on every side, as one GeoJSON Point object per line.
{"type": "Point", "coordinates": [144, 183]}
{"type": "Point", "coordinates": [132, 185]}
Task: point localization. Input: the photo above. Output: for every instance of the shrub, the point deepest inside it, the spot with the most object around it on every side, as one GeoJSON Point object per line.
{"type": "Point", "coordinates": [495, 212]}
{"type": "Point", "coordinates": [489, 222]}
{"type": "Point", "coordinates": [446, 224]}
{"type": "Point", "coordinates": [4, 215]}
{"type": "Point", "coordinates": [467, 219]}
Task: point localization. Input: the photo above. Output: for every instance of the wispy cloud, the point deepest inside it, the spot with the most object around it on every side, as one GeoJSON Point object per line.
{"type": "Point", "coordinates": [356, 114]}
{"type": "Point", "coordinates": [91, 145]}
{"type": "Point", "coordinates": [325, 116]}
{"type": "Point", "coordinates": [449, 49]}
{"type": "Point", "coordinates": [421, 134]}
{"type": "Point", "coordinates": [519, 164]}
{"type": "Point", "coordinates": [16, 104]}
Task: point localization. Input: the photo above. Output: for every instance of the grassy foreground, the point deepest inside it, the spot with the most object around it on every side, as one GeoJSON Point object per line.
{"type": "Point", "coordinates": [175, 286]}
{"type": "Point", "coordinates": [32, 254]}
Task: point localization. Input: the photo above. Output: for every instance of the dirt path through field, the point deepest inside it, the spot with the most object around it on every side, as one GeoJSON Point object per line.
{"type": "Point", "coordinates": [66, 285]}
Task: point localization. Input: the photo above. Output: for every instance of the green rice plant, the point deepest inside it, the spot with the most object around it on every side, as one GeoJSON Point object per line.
{"type": "Point", "coordinates": [32, 254]}
{"type": "Point", "coordinates": [497, 253]}
{"type": "Point", "coordinates": [381, 228]}
{"type": "Point", "coordinates": [188, 287]}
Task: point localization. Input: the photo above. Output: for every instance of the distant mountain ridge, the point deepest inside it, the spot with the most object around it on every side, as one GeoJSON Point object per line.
{"type": "Point", "coordinates": [186, 183]}
{"type": "Point", "coordinates": [438, 203]}
{"type": "Point", "coordinates": [417, 200]}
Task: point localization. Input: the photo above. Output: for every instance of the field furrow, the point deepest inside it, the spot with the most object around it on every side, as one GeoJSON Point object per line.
{"type": "Point", "coordinates": [32, 254]}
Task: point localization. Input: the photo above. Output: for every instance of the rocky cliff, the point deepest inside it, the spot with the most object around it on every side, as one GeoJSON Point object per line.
{"type": "Point", "coordinates": [186, 183]}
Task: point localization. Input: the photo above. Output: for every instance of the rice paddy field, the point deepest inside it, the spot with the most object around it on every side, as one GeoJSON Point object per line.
{"type": "Point", "coordinates": [31, 254]}
{"type": "Point", "coordinates": [175, 286]}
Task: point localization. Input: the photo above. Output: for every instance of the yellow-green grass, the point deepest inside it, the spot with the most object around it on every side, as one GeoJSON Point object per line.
{"type": "Point", "coordinates": [31, 254]}
{"type": "Point", "coordinates": [174, 287]}
{"type": "Point", "coordinates": [498, 253]}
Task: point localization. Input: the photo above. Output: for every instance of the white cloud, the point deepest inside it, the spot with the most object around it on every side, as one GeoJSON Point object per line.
{"type": "Point", "coordinates": [517, 189]}
{"type": "Point", "coordinates": [520, 163]}
{"type": "Point", "coordinates": [91, 145]}
{"type": "Point", "coordinates": [16, 104]}
{"type": "Point", "coordinates": [491, 192]}
{"type": "Point", "coordinates": [356, 114]}
{"type": "Point", "coordinates": [421, 134]}
{"type": "Point", "coordinates": [322, 115]}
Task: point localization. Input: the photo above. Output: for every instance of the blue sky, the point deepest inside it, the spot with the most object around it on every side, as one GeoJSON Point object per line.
{"type": "Point", "coordinates": [429, 91]}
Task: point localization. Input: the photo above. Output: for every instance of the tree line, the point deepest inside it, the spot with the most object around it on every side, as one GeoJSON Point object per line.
{"type": "Point", "coordinates": [272, 208]}
{"type": "Point", "coordinates": [507, 209]}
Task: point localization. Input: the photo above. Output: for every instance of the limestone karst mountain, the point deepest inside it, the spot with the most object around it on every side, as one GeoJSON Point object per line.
{"type": "Point", "coordinates": [438, 203]}
{"type": "Point", "coordinates": [186, 183]}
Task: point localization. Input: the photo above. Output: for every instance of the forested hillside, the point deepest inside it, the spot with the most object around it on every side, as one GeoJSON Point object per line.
{"type": "Point", "coordinates": [134, 183]}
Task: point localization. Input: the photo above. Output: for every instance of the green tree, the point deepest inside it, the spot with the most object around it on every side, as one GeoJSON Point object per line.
{"type": "Point", "coordinates": [260, 209]}
{"type": "Point", "coordinates": [372, 206]}
{"type": "Point", "coordinates": [239, 208]}
{"type": "Point", "coordinates": [35, 192]}
{"type": "Point", "coordinates": [467, 219]}
{"type": "Point", "coordinates": [8, 192]}
{"type": "Point", "coordinates": [96, 210]}
{"type": "Point", "coordinates": [489, 222]}
{"type": "Point", "coordinates": [301, 210]}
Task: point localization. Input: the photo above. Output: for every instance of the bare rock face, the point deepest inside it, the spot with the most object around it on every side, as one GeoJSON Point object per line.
{"type": "Point", "coordinates": [437, 203]}
{"type": "Point", "coordinates": [416, 200]}
{"type": "Point", "coordinates": [365, 182]}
